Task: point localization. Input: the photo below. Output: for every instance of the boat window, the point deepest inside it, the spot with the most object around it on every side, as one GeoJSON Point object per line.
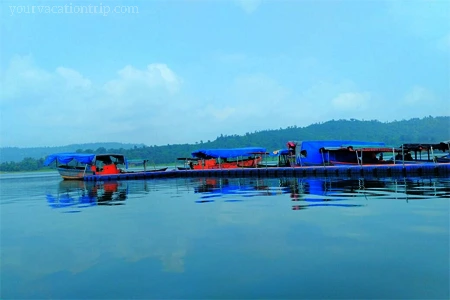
{"type": "Point", "coordinates": [303, 153]}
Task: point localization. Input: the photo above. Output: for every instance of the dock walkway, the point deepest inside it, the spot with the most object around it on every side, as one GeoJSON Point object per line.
{"type": "Point", "coordinates": [370, 171]}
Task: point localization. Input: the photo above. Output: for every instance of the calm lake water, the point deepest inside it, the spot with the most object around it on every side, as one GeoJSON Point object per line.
{"type": "Point", "coordinates": [237, 238]}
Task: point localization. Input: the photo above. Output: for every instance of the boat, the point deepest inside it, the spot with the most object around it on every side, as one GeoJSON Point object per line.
{"type": "Point", "coordinates": [71, 166]}
{"type": "Point", "coordinates": [336, 152]}
{"type": "Point", "coordinates": [187, 163]}
{"type": "Point", "coordinates": [248, 157]}
{"type": "Point", "coordinates": [283, 158]}
{"type": "Point", "coordinates": [424, 152]}
{"type": "Point", "coordinates": [443, 159]}
{"type": "Point", "coordinates": [75, 166]}
{"type": "Point", "coordinates": [340, 152]}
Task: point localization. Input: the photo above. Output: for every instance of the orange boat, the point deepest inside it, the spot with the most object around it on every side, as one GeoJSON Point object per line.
{"type": "Point", "coordinates": [75, 166]}
{"type": "Point", "coordinates": [248, 157]}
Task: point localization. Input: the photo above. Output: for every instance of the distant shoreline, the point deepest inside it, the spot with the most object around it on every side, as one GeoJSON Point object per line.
{"type": "Point", "coordinates": [155, 166]}
{"type": "Point", "coordinates": [34, 171]}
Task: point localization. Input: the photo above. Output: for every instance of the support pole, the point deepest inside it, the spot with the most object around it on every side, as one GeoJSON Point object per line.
{"type": "Point", "coordinates": [403, 156]}
{"type": "Point", "coordinates": [393, 154]}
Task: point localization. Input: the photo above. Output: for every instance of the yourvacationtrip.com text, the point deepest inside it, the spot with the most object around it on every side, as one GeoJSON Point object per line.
{"type": "Point", "coordinates": [100, 9]}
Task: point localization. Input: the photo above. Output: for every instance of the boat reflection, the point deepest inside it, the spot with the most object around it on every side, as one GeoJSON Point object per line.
{"type": "Point", "coordinates": [315, 192]}
{"type": "Point", "coordinates": [312, 192]}
{"type": "Point", "coordinates": [246, 187]}
{"type": "Point", "coordinates": [302, 192]}
{"type": "Point", "coordinates": [77, 194]}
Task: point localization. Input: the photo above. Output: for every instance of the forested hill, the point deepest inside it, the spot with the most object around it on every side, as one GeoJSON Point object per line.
{"type": "Point", "coordinates": [425, 130]}
{"type": "Point", "coordinates": [17, 154]}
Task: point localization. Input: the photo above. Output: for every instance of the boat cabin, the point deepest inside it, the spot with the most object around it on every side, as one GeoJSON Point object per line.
{"type": "Point", "coordinates": [105, 164]}
{"type": "Point", "coordinates": [278, 158]}
{"type": "Point", "coordinates": [248, 157]}
{"type": "Point", "coordinates": [314, 153]}
{"type": "Point", "coordinates": [425, 152]}
{"type": "Point", "coordinates": [77, 165]}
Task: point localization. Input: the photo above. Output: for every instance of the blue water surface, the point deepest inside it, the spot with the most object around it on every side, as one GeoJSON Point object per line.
{"type": "Point", "coordinates": [224, 238]}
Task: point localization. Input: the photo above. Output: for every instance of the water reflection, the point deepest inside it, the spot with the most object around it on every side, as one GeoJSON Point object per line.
{"type": "Point", "coordinates": [225, 237]}
{"type": "Point", "coordinates": [303, 192]}
{"type": "Point", "coordinates": [313, 192]}
{"type": "Point", "coordinates": [81, 194]}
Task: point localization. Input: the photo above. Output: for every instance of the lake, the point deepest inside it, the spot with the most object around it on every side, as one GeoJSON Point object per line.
{"type": "Point", "coordinates": [235, 238]}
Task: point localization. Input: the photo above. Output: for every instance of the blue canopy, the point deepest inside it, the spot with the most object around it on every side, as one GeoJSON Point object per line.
{"type": "Point", "coordinates": [308, 152]}
{"type": "Point", "coordinates": [227, 153]}
{"type": "Point", "coordinates": [64, 158]}
{"type": "Point", "coordinates": [279, 152]}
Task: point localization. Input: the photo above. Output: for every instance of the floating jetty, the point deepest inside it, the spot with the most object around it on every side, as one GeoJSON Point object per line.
{"type": "Point", "coordinates": [369, 171]}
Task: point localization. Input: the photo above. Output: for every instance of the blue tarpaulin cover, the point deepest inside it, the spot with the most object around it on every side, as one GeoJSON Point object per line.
{"type": "Point", "coordinates": [313, 155]}
{"type": "Point", "coordinates": [279, 152]}
{"type": "Point", "coordinates": [64, 158]}
{"type": "Point", "coordinates": [228, 153]}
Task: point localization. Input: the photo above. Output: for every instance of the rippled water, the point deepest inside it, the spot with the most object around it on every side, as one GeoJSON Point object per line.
{"type": "Point", "coordinates": [237, 238]}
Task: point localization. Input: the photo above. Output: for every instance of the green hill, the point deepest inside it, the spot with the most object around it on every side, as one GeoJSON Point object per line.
{"type": "Point", "coordinates": [17, 154]}
{"type": "Point", "coordinates": [425, 130]}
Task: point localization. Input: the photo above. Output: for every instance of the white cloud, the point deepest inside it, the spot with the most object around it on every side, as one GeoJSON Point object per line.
{"type": "Point", "coordinates": [443, 43]}
{"type": "Point", "coordinates": [218, 113]}
{"type": "Point", "coordinates": [351, 101]}
{"type": "Point", "coordinates": [247, 103]}
{"type": "Point", "coordinates": [63, 106]}
{"type": "Point", "coordinates": [417, 102]}
{"type": "Point", "coordinates": [249, 6]}
{"type": "Point", "coordinates": [151, 105]}
{"type": "Point", "coordinates": [154, 76]}
{"type": "Point", "coordinates": [419, 95]}
{"type": "Point", "coordinates": [72, 78]}
{"type": "Point", "coordinates": [23, 78]}
{"type": "Point", "coordinates": [248, 96]}
{"type": "Point", "coordinates": [315, 103]}
{"type": "Point", "coordinates": [258, 102]}
{"type": "Point", "coordinates": [254, 98]}
{"type": "Point", "coordinates": [258, 89]}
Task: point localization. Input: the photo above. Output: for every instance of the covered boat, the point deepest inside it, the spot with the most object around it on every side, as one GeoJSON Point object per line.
{"type": "Point", "coordinates": [248, 157]}
{"type": "Point", "coordinates": [76, 165]}
{"type": "Point", "coordinates": [278, 158]}
{"type": "Point", "coordinates": [425, 152]}
{"type": "Point", "coordinates": [337, 152]}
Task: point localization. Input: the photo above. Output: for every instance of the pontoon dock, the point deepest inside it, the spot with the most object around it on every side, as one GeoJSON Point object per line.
{"type": "Point", "coordinates": [369, 171]}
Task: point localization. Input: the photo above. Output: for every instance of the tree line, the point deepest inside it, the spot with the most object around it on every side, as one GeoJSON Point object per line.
{"type": "Point", "coordinates": [426, 130]}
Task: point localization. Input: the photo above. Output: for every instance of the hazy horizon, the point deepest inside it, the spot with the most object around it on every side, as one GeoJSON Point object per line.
{"type": "Point", "coordinates": [204, 141]}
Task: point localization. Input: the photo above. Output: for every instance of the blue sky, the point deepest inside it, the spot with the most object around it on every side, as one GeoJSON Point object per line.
{"type": "Point", "coordinates": [185, 71]}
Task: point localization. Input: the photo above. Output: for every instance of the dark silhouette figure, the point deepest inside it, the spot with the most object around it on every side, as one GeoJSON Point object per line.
{"type": "Point", "coordinates": [408, 157]}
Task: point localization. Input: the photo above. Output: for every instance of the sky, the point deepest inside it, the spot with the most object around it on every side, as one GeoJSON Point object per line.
{"type": "Point", "coordinates": [171, 72]}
